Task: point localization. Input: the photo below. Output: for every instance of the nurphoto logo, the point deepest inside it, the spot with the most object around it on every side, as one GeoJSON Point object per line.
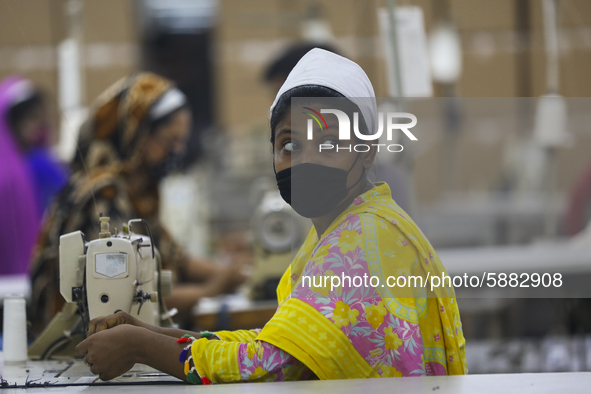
{"type": "Point", "coordinates": [391, 120]}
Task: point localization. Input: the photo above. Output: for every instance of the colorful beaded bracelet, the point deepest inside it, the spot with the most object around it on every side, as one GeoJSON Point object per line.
{"type": "Point", "coordinates": [190, 370]}
{"type": "Point", "coordinates": [209, 335]}
{"type": "Point", "coordinates": [186, 357]}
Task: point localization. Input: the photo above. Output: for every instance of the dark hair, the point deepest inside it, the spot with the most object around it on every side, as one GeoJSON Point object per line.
{"type": "Point", "coordinates": [284, 63]}
{"type": "Point", "coordinates": [283, 105]}
{"type": "Point", "coordinates": [17, 112]}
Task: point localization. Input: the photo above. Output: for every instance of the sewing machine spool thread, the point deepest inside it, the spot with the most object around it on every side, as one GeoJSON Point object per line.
{"type": "Point", "coordinates": [15, 330]}
{"type": "Point", "coordinates": [105, 232]}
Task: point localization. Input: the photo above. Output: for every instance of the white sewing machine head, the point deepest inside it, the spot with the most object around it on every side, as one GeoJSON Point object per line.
{"type": "Point", "coordinates": [101, 277]}
{"type": "Point", "coordinates": [113, 273]}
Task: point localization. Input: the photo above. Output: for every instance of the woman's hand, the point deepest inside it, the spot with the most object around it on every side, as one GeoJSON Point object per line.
{"type": "Point", "coordinates": [106, 322]}
{"type": "Point", "coordinates": [111, 353]}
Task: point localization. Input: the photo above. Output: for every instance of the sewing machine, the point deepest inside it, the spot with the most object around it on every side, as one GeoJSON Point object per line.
{"type": "Point", "coordinates": [116, 272]}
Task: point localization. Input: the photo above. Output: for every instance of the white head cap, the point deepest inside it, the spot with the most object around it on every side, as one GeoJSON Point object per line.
{"type": "Point", "coordinates": [324, 68]}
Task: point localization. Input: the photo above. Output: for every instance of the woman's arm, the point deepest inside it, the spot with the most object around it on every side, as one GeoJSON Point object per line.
{"type": "Point", "coordinates": [244, 336]}
{"type": "Point", "coordinates": [199, 270]}
{"type": "Point", "coordinates": [113, 352]}
{"type": "Point", "coordinates": [104, 323]}
{"type": "Point", "coordinates": [257, 361]}
{"type": "Point", "coordinates": [122, 318]}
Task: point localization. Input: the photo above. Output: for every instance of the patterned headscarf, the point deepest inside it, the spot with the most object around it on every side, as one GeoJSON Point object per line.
{"type": "Point", "coordinates": [109, 149]}
{"type": "Point", "coordinates": [118, 123]}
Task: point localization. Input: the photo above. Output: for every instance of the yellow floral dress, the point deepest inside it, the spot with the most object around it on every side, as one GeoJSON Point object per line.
{"type": "Point", "coordinates": [341, 314]}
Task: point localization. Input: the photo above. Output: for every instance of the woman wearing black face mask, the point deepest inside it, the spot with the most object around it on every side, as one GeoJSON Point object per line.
{"type": "Point", "coordinates": [322, 329]}
{"type": "Point", "coordinates": [358, 231]}
{"type": "Point", "coordinates": [135, 134]}
{"type": "Point", "coordinates": [317, 184]}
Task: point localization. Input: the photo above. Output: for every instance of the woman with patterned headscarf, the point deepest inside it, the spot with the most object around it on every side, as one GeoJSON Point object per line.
{"type": "Point", "coordinates": [135, 134]}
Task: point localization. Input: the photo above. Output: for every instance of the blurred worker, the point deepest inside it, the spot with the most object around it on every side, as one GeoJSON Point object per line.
{"type": "Point", "coordinates": [28, 121]}
{"type": "Point", "coordinates": [135, 135]}
{"type": "Point", "coordinates": [19, 213]}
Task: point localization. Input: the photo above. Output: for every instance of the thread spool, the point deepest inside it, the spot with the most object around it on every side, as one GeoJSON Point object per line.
{"type": "Point", "coordinates": [15, 330]}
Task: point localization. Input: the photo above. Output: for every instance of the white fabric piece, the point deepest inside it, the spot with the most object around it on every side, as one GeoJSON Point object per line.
{"type": "Point", "coordinates": [170, 101]}
{"type": "Point", "coordinates": [325, 68]}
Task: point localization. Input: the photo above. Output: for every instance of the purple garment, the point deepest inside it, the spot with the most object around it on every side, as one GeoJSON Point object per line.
{"type": "Point", "coordinates": [49, 176]}
{"type": "Point", "coordinates": [19, 216]}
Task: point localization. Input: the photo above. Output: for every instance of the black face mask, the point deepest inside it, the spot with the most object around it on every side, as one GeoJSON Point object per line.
{"type": "Point", "coordinates": [313, 190]}
{"type": "Point", "coordinates": [171, 163]}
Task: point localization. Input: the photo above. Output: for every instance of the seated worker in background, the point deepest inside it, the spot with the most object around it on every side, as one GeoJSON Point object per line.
{"type": "Point", "coordinates": [135, 134]}
{"type": "Point", "coordinates": [317, 331]}
{"type": "Point", "coordinates": [28, 121]}
{"type": "Point", "coordinates": [19, 212]}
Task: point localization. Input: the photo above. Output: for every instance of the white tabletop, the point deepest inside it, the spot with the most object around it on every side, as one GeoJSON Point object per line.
{"type": "Point", "coordinates": [571, 383]}
{"type": "Point", "coordinates": [70, 371]}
